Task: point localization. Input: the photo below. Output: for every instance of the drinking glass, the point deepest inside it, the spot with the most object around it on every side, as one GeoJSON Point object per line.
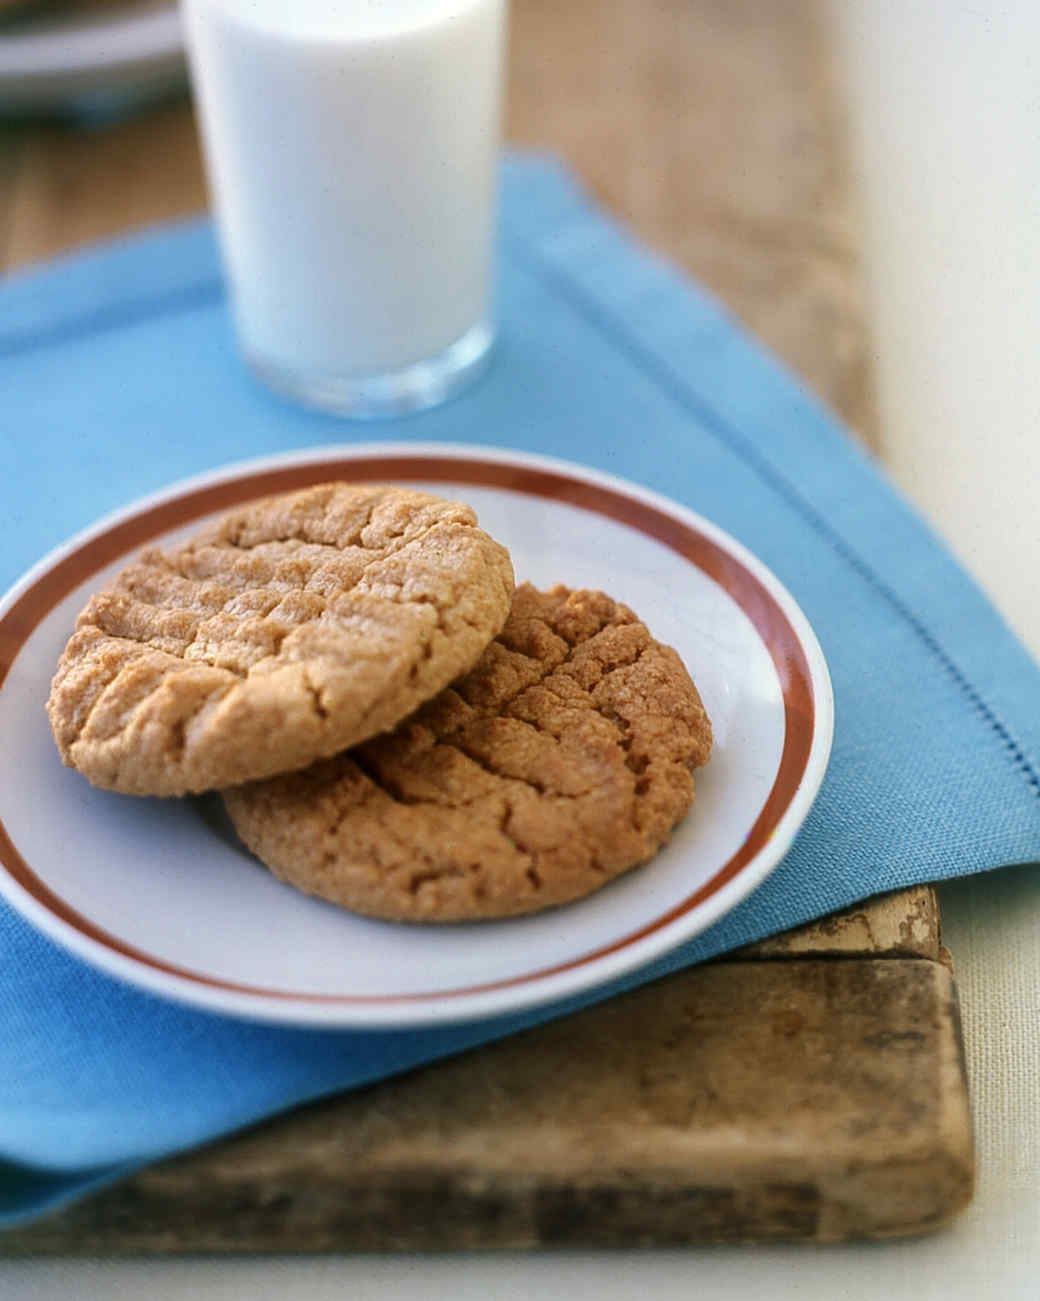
{"type": "Point", "coordinates": [351, 149]}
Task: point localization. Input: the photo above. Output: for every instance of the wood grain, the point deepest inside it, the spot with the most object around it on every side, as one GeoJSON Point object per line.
{"type": "Point", "coordinates": [11, 147]}
{"type": "Point", "coordinates": [76, 186]}
{"type": "Point", "coordinates": [714, 128]}
{"type": "Point", "coordinates": [904, 924]}
{"type": "Point", "coordinates": [814, 1101]}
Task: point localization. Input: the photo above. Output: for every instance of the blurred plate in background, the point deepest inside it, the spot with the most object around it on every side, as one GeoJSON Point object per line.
{"type": "Point", "coordinates": [87, 58]}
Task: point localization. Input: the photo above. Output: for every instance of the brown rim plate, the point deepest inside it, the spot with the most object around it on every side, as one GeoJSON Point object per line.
{"type": "Point", "coordinates": [744, 639]}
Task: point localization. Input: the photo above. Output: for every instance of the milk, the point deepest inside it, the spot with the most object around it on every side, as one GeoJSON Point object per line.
{"type": "Point", "coordinates": [351, 149]}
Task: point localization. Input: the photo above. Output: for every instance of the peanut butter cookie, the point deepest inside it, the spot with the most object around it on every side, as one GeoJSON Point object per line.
{"type": "Point", "coordinates": [295, 627]}
{"type": "Point", "coordinates": [561, 760]}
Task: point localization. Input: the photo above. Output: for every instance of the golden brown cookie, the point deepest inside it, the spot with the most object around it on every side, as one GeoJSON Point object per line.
{"type": "Point", "coordinates": [561, 760]}
{"type": "Point", "coordinates": [295, 627]}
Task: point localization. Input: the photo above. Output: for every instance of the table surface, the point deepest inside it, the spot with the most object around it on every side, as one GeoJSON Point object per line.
{"type": "Point", "coordinates": [674, 116]}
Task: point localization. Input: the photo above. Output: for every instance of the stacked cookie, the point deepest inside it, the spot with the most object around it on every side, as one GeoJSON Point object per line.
{"type": "Point", "coordinates": [393, 727]}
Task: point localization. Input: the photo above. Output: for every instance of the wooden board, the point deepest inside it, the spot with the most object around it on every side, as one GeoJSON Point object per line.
{"type": "Point", "coordinates": [811, 1087]}
{"type": "Point", "coordinates": [759, 1100]}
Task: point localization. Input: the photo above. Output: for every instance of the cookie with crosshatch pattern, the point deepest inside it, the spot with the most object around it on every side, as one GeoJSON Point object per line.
{"type": "Point", "coordinates": [294, 627]}
{"type": "Point", "coordinates": [561, 760]}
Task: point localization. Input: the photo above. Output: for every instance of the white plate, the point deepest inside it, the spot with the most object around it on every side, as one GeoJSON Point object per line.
{"type": "Point", "coordinates": [159, 893]}
{"type": "Point", "coordinates": [50, 61]}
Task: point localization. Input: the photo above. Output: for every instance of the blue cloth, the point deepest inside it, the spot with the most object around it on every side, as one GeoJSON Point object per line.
{"type": "Point", "coordinates": [118, 375]}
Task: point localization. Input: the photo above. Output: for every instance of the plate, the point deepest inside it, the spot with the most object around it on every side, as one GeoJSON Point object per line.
{"type": "Point", "coordinates": [52, 60]}
{"type": "Point", "coordinates": [160, 893]}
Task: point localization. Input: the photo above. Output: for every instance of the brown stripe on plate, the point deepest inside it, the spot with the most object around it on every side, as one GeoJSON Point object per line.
{"type": "Point", "coordinates": [756, 601]}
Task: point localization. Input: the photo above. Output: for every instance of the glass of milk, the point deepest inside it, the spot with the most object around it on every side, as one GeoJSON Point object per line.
{"type": "Point", "coordinates": [351, 148]}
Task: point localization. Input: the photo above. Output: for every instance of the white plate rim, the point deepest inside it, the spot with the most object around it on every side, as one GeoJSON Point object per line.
{"type": "Point", "coordinates": [50, 64]}
{"type": "Point", "coordinates": [45, 911]}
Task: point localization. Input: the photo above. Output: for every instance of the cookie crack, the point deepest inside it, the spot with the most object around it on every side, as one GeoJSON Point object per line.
{"type": "Point", "coordinates": [232, 537]}
{"type": "Point", "coordinates": [426, 863]}
{"type": "Point", "coordinates": [547, 670]}
{"type": "Point", "coordinates": [143, 640]}
{"type": "Point", "coordinates": [529, 783]}
{"type": "Point", "coordinates": [348, 810]}
{"type": "Point", "coordinates": [424, 657]}
{"type": "Point", "coordinates": [179, 731]}
{"type": "Point", "coordinates": [113, 682]}
{"type": "Point", "coordinates": [492, 771]}
{"type": "Point", "coordinates": [392, 542]}
{"type": "Point", "coordinates": [370, 770]}
{"type": "Point", "coordinates": [176, 734]}
{"type": "Point", "coordinates": [395, 595]}
{"type": "Point", "coordinates": [379, 782]}
{"type": "Point", "coordinates": [418, 879]}
{"type": "Point", "coordinates": [392, 787]}
{"type": "Point", "coordinates": [315, 693]}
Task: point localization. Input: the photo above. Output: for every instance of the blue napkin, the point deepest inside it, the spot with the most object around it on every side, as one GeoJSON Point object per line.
{"type": "Point", "coordinates": [118, 375]}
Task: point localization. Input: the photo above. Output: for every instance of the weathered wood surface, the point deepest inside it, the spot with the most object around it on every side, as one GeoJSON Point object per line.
{"type": "Point", "coordinates": [819, 1096]}
{"type": "Point", "coordinates": [904, 924]}
{"type": "Point", "coordinates": [810, 1100]}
